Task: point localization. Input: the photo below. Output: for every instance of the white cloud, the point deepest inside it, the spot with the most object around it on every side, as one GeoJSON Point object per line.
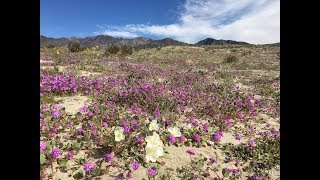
{"type": "Point", "coordinates": [112, 33]}
{"type": "Point", "coordinates": [253, 21]}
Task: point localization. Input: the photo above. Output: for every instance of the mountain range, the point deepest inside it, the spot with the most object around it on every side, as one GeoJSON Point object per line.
{"type": "Point", "coordinates": [138, 42]}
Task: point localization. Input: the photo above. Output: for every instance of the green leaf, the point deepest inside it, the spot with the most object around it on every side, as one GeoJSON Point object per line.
{"type": "Point", "coordinates": [200, 164]}
{"type": "Point", "coordinates": [157, 177]}
{"type": "Point", "coordinates": [42, 159]}
{"type": "Point", "coordinates": [78, 175]}
{"type": "Point", "coordinates": [62, 162]}
{"type": "Point", "coordinates": [76, 146]}
{"type": "Point", "coordinates": [96, 172]}
{"type": "Point", "coordinates": [225, 173]}
{"type": "Point", "coordinates": [68, 166]}
{"type": "Point", "coordinates": [82, 161]}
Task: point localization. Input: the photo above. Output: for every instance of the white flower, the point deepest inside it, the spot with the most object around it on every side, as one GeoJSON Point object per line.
{"type": "Point", "coordinates": [188, 126]}
{"type": "Point", "coordinates": [153, 140]}
{"type": "Point", "coordinates": [118, 134]}
{"type": "Point", "coordinates": [153, 125]}
{"type": "Point", "coordinates": [154, 148]}
{"type": "Point", "coordinates": [153, 153]}
{"type": "Point", "coordinates": [175, 131]}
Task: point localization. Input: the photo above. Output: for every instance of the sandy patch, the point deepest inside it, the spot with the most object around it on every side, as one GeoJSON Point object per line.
{"type": "Point", "coordinates": [72, 103]}
{"type": "Point", "coordinates": [87, 73]}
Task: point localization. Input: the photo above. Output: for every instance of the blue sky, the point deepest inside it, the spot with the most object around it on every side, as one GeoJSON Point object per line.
{"type": "Point", "coordinates": [254, 21]}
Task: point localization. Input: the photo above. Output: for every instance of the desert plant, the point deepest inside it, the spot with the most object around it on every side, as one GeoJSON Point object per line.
{"type": "Point", "coordinates": [50, 46]}
{"type": "Point", "coordinates": [126, 50]}
{"type": "Point", "coordinates": [74, 47]}
{"type": "Point", "coordinates": [230, 59]}
{"type": "Point", "coordinates": [111, 50]}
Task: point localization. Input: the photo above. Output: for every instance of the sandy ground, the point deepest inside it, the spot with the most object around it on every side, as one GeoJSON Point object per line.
{"type": "Point", "coordinates": [72, 103]}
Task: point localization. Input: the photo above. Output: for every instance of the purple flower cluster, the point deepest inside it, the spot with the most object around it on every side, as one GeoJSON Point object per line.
{"type": "Point", "coordinates": [126, 129]}
{"type": "Point", "coordinates": [182, 138]}
{"type": "Point", "coordinates": [152, 172]}
{"type": "Point", "coordinates": [42, 146]}
{"type": "Point", "coordinates": [234, 171]}
{"type": "Point", "coordinates": [212, 160]}
{"type": "Point", "coordinates": [251, 144]}
{"type": "Point", "coordinates": [70, 155]}
{"type": "Point", "coordinates": [88, 167]}
{"type": "Point", "coordinates": [172, 139]}
{"type": "Point", "coordinates": [196, 137]}
{"type": "Point", "coordinates": [255, 177]}
{"type": "Point", "coordinates": [191, 152]}
{"type": "Point", "coordinates": [105, 125]}
{"type": "Point", "coordinates": [217, 136]}
{"type": "Point", "coordinates": [109, 157]}
{"type": "Point", "coordinates": [55, 153]}
{"type": "Point", "coordinates": [238, 137]}
{"type": "Point", "coordinates": [56, 114]}
{"type": "Point", "coordinates": [135, 165]}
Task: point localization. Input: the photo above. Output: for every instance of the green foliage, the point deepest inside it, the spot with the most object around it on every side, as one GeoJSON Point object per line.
{"type": "Point", "coordinates": [230, 59]}
{"type": "Point", "coordinates": [74, 47]}
{"type": "Point", "coordinates": [50, 46]}
{"type": "Point", "coordinates": [126, 50]}
{"type": "Point", "coordinates": [111, 50]}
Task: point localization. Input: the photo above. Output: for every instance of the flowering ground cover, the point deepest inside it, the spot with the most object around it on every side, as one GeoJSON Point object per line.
{"type": "Point", "coordinates": [170, 113]}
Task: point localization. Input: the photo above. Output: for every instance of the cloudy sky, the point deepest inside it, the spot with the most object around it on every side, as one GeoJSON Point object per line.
{"type": "Point", "coordinates": [253, 21]}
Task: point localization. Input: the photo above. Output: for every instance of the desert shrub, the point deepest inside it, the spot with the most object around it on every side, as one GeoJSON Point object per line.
{"type": "Point", "coordinates": [230, 59]}
{"type": "Point", "coordinates": [74, 47]}
{"type": "Point", "coordinates": [126, 50]}
{"type": "Point", "coordinates": [233, 50]}
{"type": "Point", "coordinates": [111, 50]}
{"type": "Point", "coordinates": [50, 46]}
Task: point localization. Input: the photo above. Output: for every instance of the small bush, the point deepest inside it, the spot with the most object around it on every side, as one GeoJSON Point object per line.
{"type": "Point", "coordinates": [126, 50]}
{"type": "Point", "coordinates": [74, 47]}
{"type": "Point", "coordinates": [111, 50]}
{"type": "Point", "coordinates": [230, 59]}
{"type": "Point", "coordinates": [50, 46]}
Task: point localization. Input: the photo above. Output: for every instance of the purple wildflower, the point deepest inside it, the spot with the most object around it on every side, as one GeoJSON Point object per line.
{"type": "Point", "coordinates": [109, 157]}
{"type": "Point", "coordinates": [191, 152]}
{"type": "Point", "coordinates": [205, 127]}
{"type": "Point", "coordinates": [140, 140]}
{"type": "Point", "coordinates": [217, 136]}
{"type": "Point", "coordinates": [55, 153]}
{"type": "Point", "coordinates": [123, 122]}
{"type": "Point", "coordinates": [255, 177]}
{"type": "Point", "coordinates": [196, 137]}
{"type": "Point", "coordinates": [195, 123]}
{"type": "Point", "coordinates": [152, 172]}
{"type": "Point", "coordinates": [56, 114]}
{"type": "Point", "coordinates": [172, 139]}
{"type": "Point", "coordinates": [238, 137]}
{"type": "Point", "coordinates": [42, 146]}
{"type": "Point", "coordinates": [90, 114]}
{"type": "Point", "coordinates": [134, 123]}
{"type": "Point", "coordinates": [135, 165]}
{"type": "Point", "coordinates": [126, 129]}
{"type": "Point", "coordinates": [70, 125]}
{"type": "Point", "coordinates": [105, 124]}
{"type": "Point", "coordinates": [266, 133]}
{"type": "Point", "coordinates": [182, 138]}
{"type": "Point", "coordinates": [167, 122]}
{"type": "Point", "coordinates": [251, 144]}
{"type": "Point", "coordinates": [70, 155]}
{"type": "Point", "coordinates": [79, 131]}
{"type": "Point", "coordinates": [212, 160]}
{"type": "Point", "coordinates": [88, 167]}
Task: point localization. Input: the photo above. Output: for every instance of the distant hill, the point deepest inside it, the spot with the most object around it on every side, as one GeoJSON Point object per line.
{"type": "Point", "coordinates": [104, 40]}
{"type": "Point", "coordinates": [211, 41]}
